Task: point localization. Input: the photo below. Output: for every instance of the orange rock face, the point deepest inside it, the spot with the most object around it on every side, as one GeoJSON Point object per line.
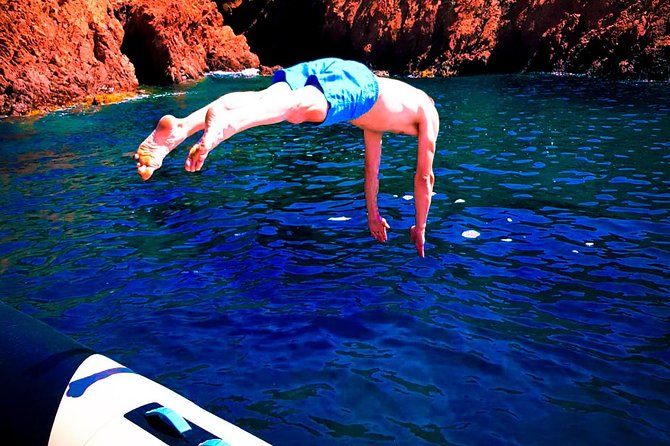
{"type": "Point", "coordinates": [52, 54]}
{"type": "Point", "coordinates": [58, 52]}
{"type": "Point", "coordinates": [613, 38]}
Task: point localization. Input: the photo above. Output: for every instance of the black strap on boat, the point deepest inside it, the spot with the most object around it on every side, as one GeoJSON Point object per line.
{"type": "Point", "coordinates": [169, 427]}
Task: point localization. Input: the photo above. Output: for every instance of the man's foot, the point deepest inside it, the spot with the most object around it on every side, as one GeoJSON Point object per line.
{"type": "Point", "coordinates": [217, 129]}
{"type": "Point", "coordinates": [167, 135]}
{"type": "Point", "coordinates": [196, 157]}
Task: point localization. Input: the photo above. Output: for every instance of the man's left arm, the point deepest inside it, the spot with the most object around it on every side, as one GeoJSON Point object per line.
{"type": "Point", "coordinates": [424, 177]}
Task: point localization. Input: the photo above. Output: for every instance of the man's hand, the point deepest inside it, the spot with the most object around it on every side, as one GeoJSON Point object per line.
{"type": "Point", "coordinates": [378, 227]}
{"type": "Point", "coordinates": [419, 239]}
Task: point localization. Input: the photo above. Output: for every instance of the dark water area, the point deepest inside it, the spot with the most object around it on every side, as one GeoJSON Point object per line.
{"type": "Point", "coordinates": [255, 289]}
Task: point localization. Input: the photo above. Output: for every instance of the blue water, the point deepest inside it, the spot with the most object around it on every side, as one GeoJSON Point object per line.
{"type": "Point", "coordinates": [254, 288]}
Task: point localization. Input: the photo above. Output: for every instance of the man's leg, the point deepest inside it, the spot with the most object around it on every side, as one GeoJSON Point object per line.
{"type": "Point", "coordinates": [168, 134]}
{"type": "Point", "coordinates": [277, 104]}
{"type": "Point", "coordinates": [171, 131]}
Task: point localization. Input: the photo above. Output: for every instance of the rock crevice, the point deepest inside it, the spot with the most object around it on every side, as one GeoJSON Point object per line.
{"type": "Point", "coordinates": [55, 53]}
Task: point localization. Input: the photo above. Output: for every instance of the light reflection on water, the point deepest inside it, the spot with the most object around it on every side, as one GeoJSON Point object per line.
{"type": "Point", "coordinates": [255, 289]}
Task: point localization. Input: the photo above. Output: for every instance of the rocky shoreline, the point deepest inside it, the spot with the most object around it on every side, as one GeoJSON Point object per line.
{"type": "Point", "coordinates": [55, 53]}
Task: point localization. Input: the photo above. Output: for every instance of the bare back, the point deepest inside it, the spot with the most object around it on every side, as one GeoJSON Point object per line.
{"type": "Point", "coordinates": [399, 109]}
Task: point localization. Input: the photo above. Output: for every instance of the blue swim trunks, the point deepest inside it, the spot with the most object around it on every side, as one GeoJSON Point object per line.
{"type": "Point", "coordinates": [350, 88]}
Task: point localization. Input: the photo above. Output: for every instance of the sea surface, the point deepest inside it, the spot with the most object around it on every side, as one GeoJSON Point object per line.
{"type": "Point", "coordinates": [540, 315]}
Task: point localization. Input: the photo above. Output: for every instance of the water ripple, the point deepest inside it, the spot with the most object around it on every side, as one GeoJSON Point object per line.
{"type": "Point", "coordinates": [254, 288]}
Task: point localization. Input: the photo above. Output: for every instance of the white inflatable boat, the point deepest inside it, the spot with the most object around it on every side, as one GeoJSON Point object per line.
{"type": "Point", "coordinates": [56, 392]}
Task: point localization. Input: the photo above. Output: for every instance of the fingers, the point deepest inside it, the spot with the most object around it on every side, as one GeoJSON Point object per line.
{"type": "Point", "coordinates": [378, 229]}
{"type": "Point", "coordinates": [419, 239]}
{"type": "Point", "coordinates": [420, 249]}
{"type": "Point", "coordinates": [379, 234]}
{"type": "Point", "coordinates": [382, 229]}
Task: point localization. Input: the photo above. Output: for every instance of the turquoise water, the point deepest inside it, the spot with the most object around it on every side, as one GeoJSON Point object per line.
{"type": "Point", "coordinates": [254, 288]}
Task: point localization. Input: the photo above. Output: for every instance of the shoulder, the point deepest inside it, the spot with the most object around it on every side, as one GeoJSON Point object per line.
{"type": "Point", "coordinates": [387, 83]}
{"type": "Point", "coordinates": [409, 95]}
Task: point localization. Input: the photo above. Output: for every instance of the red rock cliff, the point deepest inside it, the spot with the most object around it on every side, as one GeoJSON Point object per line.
{"type": "Point", "coordinates": [57, 52]}
{"type": "Point", "coordinates": [614, 38]}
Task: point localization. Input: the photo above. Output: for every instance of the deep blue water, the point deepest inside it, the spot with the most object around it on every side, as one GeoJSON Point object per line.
{"type": "Point", "coordinates": [254, 288]}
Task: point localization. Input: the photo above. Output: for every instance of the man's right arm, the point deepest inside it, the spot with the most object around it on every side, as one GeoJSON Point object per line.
{"type": "Point", "coordinates": [373, 154]}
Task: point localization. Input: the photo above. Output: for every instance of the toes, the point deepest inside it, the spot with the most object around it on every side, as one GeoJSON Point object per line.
{"type": "Point", "coordinates": [145, 172]}
{"type": "Point", "coordinates": [196, 157]}
{"type": "Point", "coordinates": [146, 166]}
{"type": "Point", "coordinates": [200, 160]}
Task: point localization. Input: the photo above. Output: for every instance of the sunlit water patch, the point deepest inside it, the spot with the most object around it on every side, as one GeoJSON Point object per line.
{"type": "Point", "coordinates": [539, 316]}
